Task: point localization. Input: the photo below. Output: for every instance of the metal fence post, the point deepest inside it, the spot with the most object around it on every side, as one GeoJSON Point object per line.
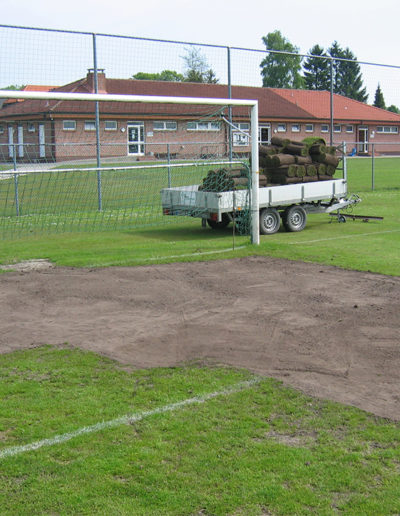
{"type": "Point", "coordinates": [169, 168]}
{"type": "Point", "coordinates": [331, 105]}
{"type": "Point", "coordinates": [373, 167]}
{"type": "Point", "coordinates": [14, 150]}
{"type": "Point", "coordinates": [230, 107]}
{"type": "Point", "coordinates": [16, 193]}
{"type": "Point", "coordinates": [97, 121]}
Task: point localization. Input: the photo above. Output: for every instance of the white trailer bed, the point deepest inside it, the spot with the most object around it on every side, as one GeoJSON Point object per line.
{"type": "Point", "coordinates": [218, 207]}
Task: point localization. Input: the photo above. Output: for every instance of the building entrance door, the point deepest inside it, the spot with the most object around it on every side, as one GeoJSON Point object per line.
{"type": "Point", "coordinates": [363, 140]}
{"type": "Point", "coordinates": [136, 139]}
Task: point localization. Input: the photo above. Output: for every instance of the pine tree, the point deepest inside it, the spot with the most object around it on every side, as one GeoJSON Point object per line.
{"type": "Point", "coordinates": [197, 69]}
{"type": "Point", "coordinates": [317, 70]}
{"type": "Point", "coordinates": [281, 70]}
{"type": "Point", "coordinates": [347, 77]}
{"type": "Point", "coordinates": [379, 100]}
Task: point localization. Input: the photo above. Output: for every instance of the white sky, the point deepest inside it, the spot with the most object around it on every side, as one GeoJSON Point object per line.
{"type": "Point", "coordinates": [369, 28]}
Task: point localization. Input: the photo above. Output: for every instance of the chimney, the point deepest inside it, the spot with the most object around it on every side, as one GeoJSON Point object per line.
{"type": "Point", "coordinates": [101, 81]}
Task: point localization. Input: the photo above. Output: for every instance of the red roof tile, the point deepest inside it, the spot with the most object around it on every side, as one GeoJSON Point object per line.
{"type": "Point", "coordinates": [274, 104]}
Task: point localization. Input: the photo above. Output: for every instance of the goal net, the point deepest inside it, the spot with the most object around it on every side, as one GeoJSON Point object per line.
{"type": "Point", "coordinates": [94, 162]}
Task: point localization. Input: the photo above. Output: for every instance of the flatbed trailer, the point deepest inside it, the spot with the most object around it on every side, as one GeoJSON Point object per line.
{"type": "Point", "coordinates": [289, 203]}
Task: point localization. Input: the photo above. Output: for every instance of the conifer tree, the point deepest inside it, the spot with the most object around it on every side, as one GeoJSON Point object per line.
{"type": "Point", "coordinates": [379, 100]}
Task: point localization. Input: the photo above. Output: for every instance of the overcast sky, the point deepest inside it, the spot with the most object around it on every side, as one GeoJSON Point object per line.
{"type": "Point", "coordinates": [369, 28]}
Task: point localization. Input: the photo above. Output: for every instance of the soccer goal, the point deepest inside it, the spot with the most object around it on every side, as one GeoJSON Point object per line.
{"type": "Point", "coordinates": [86, 161]}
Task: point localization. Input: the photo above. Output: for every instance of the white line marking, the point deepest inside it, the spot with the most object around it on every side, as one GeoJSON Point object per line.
{"type": "Point", "coordinates": [196, 254]}
{"type": "Point", "coordinates": [343, 236]}
{"type": "Point", "coordinates": [124, 420]}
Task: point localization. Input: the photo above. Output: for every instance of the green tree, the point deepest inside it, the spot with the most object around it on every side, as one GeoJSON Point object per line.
{"type": "Point", "coordinates": [393, 109]}
{"type": "Point", "coordinates": [165, 75]}
{"type": "Point", "coordinates": [347, 77]}
{"type": "Point", "coordinates": [197, 68]}
{"type": "Point", "coordinates": [14, 87]}
{"type": "Point", "coordinates": [281, 70]}
{"type": "Point", "coordinates": [317, 74]}
{"type": "Point", "coordinates": [379, 100]}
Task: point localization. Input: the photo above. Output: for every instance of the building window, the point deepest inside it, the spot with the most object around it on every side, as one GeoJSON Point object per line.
{"type": "Point", "coordinates": [110, 125]}
{"type": "Point", "coordinates": [295, 128]}
{"type": "Point", "coordinates": [203, 126]}
{"type": "Point", "coordinates": [337, 128]}
{"type": "Point", "coordinates": [69, 125]}
{"type": "Point", "coordinates": [349, 129]}
{"type": "Point", "coordinates": [241, 138]}
{"type": "Point", "coordinates": [324, 128]}
{"type": "Point", "coordinates": [164, 126]}
{"type": "Point", "coordinates": [31, 127]}
{"type": "Point", "coordinates": [281, 128]}
{"type": "Point", "coordinates": [309, 128]}
{"type": "Point", "coordinates": [387, 129]}
{"type": "Point", "coordinates": [90, 125]}
{"type": "Point", "coordinates": [1, 129]}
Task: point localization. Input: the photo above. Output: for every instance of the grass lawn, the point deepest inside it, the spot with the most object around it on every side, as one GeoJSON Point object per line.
{"type": "Point", "coordinates": [265, 449]}
{"type": "Point", "coordinates": [372, 246]}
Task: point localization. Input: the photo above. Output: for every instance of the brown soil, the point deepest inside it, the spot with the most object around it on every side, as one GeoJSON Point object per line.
{"type": "Point", "coordinates": [331, 333]}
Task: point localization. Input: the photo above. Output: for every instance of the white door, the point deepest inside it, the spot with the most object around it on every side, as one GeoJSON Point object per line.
{"type": "Point", "coordinates": [42, 143]}
{"type": "Point", "coordinates": [264, 133]}
{"type": "Point", "coordinates": [20, 141]}
{"type": "Point", "coordinates": [363, 139]}
{"type": "Point", "coordinates": [10, 141]}
{"type": "Point", "coordinates": [136, 139]}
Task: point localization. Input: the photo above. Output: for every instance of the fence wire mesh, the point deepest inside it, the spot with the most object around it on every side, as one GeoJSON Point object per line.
{"type": "Point", "coordinates": [63, 170]}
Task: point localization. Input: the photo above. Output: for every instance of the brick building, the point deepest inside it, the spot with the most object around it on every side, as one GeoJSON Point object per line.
{"type": "Point", "coordinates": [40, 130]}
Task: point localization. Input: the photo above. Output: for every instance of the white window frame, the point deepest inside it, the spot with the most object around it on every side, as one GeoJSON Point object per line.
{"type": "Point", "coordinates": [324, 126]}
{"type": "Point", "coordinates": [241, 138]}
{"type": "Point", "coordinates": [115, 125]}
{"type": "Point", "coordinates": [387, 129]}
{"type": "Point", "coordinates": [281, 128]}
{"type": "Point", "coordinates": [163, 125]}
{"type": "Point", "coordinates": [203, 126]}
{"type": "Point", "coordinates": [350, 128]}
{"type": "Point", "coordinates": [337, 128]}
{"type": "Point", "coordinates": [90, 125]}
{"type": "Point", "coordinates": [309, 128]}
{"type": "Point", "coordinates": [69, 128]}
{"type": "Point", "coordinates": [296, 128]}
{"type": "Point", "coordinates": [31, 127]}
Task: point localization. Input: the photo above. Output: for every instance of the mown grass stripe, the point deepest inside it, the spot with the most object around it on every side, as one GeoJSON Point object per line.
{"type": "Point", "coordinates": [124, 420]}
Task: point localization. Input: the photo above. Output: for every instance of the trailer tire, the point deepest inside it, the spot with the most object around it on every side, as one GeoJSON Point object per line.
{"type": "Point", "coordinates": [225, 220]}
{"type": "Point", "coordinates": [294, 218]}
{"type": "Point", "coordinates": [270, 221]}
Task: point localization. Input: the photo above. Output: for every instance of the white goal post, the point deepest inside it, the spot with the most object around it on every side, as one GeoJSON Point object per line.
{"type": "Point", "coordinates": [253, 104]}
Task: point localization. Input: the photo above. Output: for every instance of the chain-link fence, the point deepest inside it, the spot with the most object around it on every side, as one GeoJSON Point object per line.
{"type": "Point", "coordinates": [40, 137]}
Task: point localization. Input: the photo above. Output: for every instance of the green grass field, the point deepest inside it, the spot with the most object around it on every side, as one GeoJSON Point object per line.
{"type": "Point", "coordinates": [372, 246]}
{"type": "Point", "coordinates": [260, 449]}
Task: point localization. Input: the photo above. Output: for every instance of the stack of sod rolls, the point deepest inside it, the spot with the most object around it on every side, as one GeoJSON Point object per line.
{"type": "Point", "coordinates": [287, 161]}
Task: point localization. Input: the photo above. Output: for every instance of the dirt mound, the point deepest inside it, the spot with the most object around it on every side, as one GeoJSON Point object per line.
{"type": "Point", "coordinates": [331, 333]}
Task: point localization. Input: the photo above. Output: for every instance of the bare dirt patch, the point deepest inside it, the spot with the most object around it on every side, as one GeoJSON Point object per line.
{"type": "Point", "coordinates": [332, 333]}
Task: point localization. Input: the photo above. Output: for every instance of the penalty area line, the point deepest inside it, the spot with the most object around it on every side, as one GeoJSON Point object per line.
{"type": "Point", "coordinates": [125, 420]}
{"type": "Point", "coordinates": [196, 254]}
{"type": "Point", "coordinates": [377, 233]}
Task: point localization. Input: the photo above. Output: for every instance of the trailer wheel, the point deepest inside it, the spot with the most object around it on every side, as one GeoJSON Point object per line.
{"type": "Point", "coordinates": [225, 220]}
{"type": "Point", "coordinates": [270, 221]}
{"type": "Point", "coordinates": [294, 218]}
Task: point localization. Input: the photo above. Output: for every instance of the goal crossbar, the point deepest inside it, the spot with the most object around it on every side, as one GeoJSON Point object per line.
{"type": "Point", "coordinates": [106, 97]}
